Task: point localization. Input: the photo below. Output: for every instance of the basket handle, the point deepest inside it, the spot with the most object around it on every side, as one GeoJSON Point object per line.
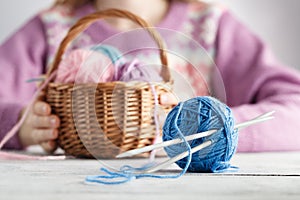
{"type": "Point", "coordinates": [85, 22]}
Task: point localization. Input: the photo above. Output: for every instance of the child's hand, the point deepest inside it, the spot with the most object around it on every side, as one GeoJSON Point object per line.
{"type": "Point", "coordinates": [168, 99]}
{"type": "Point", "coordinates": [40, 127]}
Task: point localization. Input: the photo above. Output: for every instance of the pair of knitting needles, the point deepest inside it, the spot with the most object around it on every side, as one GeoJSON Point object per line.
{"type": "Point", "coordinates": [261, 118]}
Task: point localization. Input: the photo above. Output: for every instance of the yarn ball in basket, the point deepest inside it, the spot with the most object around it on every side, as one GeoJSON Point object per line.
{"type": "Point", "coordinates": [85, 66]}
{"type": "Point", "coordinates": [198, 115]}
{"type": "Point", "coordinates": [137, 71]}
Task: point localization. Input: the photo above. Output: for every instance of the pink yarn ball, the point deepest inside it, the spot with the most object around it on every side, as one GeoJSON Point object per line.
{"type": "Point", "coordinates": [85, 66]}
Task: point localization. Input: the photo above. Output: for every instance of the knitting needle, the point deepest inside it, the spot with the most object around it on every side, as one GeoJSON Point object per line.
{"type": "Point", "coordinates": [198, 148]}
{"type": "Point", "coordinates": [261, 118]}
{"type": "Point", "coordinates": [165, 144]}
{"type": "Point", "coordinates": [176, 158]}
{"type": "Point", "coordinates": [268, 114]}
{"type": "Point", "coordinates": [252, 122]}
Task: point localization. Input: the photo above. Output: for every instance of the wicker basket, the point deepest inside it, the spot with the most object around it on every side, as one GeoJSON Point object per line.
{"type": "Point", "coordinates": [105, 119]}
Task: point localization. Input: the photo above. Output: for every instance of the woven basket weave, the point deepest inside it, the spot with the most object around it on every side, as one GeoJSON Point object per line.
{"type": "Point", "coordinates": [102, 120]}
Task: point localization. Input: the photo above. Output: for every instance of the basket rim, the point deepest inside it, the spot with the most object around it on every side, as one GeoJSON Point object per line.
{"type": "Point", "coordinates": [115, 84]}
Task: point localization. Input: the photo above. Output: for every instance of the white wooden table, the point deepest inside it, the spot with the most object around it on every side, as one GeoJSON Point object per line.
{"type": "Point", "coordinates": [261, 176]}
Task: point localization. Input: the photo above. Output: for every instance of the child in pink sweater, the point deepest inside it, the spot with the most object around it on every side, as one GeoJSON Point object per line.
{"type": "Point", "coordinates": [254, 81]}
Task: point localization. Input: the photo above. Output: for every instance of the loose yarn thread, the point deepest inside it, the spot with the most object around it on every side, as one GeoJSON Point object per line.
{"type": "Point", "coordinates": [195, 115]}
{"type": "Point", "coordinates": [156, 121]}
{"type": "Point", "coordinates": [14, 130]}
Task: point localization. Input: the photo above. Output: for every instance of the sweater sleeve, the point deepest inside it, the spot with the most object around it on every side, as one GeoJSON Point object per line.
{"type": "Point", "coordinates": [255, 82]}
{"type": "Point", "coordinates": [22, 57]}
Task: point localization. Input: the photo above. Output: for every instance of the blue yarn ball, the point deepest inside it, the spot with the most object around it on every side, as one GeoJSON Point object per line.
{"type": "Point", "coordinates": [197, 115]}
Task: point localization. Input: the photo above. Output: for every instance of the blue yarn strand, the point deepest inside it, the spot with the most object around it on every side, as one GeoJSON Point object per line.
{"type": "Point", "coordinates": [189, 149]}
{"type": "Point", "coordinates": [127, 173]}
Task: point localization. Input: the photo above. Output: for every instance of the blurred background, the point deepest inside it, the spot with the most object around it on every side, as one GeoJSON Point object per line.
{"type": "Point", "coordinates": [277, 22]}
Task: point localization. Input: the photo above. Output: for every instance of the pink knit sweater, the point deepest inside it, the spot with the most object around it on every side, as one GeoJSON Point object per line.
{"type": "Point", "coordinates": [246, 76]}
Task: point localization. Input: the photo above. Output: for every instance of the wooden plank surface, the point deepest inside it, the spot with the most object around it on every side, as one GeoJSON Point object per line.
{"type": "Point", "coordinates": [261, 176]}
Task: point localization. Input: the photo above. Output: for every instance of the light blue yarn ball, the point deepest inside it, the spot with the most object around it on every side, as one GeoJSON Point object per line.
{"type": "Point", "coordinates": [113, 53]}
{"type": "Point", "coordinates": [198, 115]}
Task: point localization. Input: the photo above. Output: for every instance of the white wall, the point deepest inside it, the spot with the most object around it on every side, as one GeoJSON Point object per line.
{"type": "Point", "coordinates": [276, 21]}
{"type": "Point", "coordinates": [14, 13]}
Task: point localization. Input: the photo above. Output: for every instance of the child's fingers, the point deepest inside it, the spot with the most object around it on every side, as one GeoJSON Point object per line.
{"type": "Point", "coordinates": [168, 99]}
{"type": "Point", "coordinates": [41, 108]}
{"type": "Point", "coordinates": [50, 146]}
{"type": "Point", "coordinates": [43, 135]}
{"type": "Point", "coordinates": [51, 121]}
